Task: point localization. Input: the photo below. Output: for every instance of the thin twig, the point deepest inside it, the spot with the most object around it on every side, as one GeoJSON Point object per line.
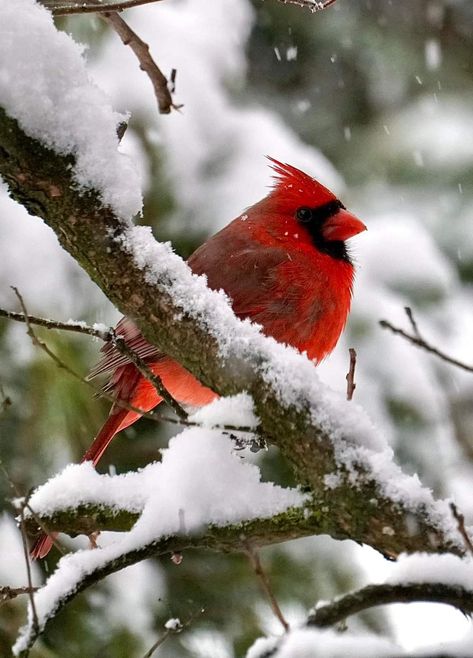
{"type": "Point", "coordinates": [26, 505]}
{"type": "Point", "coordinates": [460, 519]}
{"type": "Point", "coordinates": [9, 593]}
{"type": "Point", "coordinates": [82, 328]}
{"type": "Point", "coordinates": [147, 63]}
{"type": "Point", "coordinates": [28, 567]}
{"type": "Point", "coordinates": [410, 317]}
{"type": "Point", "coordinates": [255, 561]}
{"type": "Point", "coordinates": [120, 344]}
{"type": "Point", "coordinates": [75, 327]}
{"type": "Point", "coordinates": [417, 340]}
{"type": "Point", "coordinates": [351, 374]}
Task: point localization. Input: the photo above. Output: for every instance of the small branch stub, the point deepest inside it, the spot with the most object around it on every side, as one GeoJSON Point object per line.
{"type": "Point", "coordinates": [351, 374]}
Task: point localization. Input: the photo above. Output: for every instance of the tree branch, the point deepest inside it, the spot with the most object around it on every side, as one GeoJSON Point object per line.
{"type": "Point", "coordinates": [147, 63]}
{"type": "Point", "coordinates": [417, 340]}
{"type": "Point", "coordinates": [374, 595]}
{"type": "Point", "coordinates": [68, 7]}
{"type": "Point", "coordinates": [41, 180]}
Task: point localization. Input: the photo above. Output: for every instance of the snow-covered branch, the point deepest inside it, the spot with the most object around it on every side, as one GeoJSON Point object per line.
{"type": "Point", "coordinates": [65, 170]}
{"type": "Point", "coordinates": [59, 158]}
{"type": "Point", "coordinates": [374, 595]}
{"type": "Point", "coordinates": [359, 491]}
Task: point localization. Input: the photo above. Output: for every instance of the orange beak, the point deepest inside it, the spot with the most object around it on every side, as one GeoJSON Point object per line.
{"type": "Point", "coordinates": [342, 226]}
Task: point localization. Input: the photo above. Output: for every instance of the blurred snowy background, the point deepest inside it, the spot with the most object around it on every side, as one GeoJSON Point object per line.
{"type": "Point", "coordinates": [375, 100]}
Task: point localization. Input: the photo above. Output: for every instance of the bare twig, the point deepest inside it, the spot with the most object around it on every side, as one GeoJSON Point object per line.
{"type": "Point", "coordinates": [351, 374]}
{"type": "Point", "coordinates": [460, 519]}
{"type": "Point", "coordinates": [147, 63]}
{"type": "Point", "coordinates": [410, 317]}
{"type": "Point", "coordinates": [141, 365]}
{"type": "Point", "coordinates": [28, 567]}
{"type": "Point", "coordinates": [75, 327]}
{"type": "Point", "coordinates": [254, 558]}
{"type": "Point", "coordinates": [109, 335]}
{"type": "Point", "coordinates": [417, 340]}
{"type": "Point", "coordinates": [9, 593]}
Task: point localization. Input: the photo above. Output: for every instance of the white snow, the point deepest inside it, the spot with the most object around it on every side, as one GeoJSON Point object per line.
{"type": "Point", "coordinates": [200, 481]}
{"type": "Point", "coordinates": [425, 568]}
{"type": "Point", "coordinates": [55, 102]}
{"type": "Point", "coordinates": [291, 375]}
{"type": "Point", "coordinates": [12, 557]}
{"type": "Point", "coordinates": [173, 624]}
{"type": "Point", "coordinates": [236, 410]}
{"type": "Point", "coordinates": [309, 643]}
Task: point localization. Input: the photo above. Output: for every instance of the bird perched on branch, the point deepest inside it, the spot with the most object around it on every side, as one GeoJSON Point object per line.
{"type": "Point", "coordinates": [283, 263]}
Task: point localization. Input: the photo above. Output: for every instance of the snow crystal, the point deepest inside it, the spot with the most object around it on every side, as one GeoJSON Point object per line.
{"type": "Point", "coordinates": [45, 86]}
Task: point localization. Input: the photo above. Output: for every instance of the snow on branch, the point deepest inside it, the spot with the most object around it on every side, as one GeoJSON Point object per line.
{"type": "Point", "coordinates": [420, 577]}
{"type": "Point", "coordinates": [59, 158]}
{"type": "Point", "coordinates": [360, 492]}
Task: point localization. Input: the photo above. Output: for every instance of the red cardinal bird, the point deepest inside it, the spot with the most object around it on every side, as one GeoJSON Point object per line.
{"type": "Point", "coordinates": [284, 265]}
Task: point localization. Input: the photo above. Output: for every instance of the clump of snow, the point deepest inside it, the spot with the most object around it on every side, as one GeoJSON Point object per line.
{"type": "Point", "coordinates": [44, 85]}
{"type": "Point", "coordinates": [308, 643]}
{"type": "Point", "coordinates": [427, 568]}
{"type": "Point", "coordinates": [236, 410]}
{"type": "Point", "coordinates": [173, 624]}
{"type": "Point", "coordinates": [200, 481]}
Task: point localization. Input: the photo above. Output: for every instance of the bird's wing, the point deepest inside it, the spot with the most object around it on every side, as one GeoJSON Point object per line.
{"type": "Point", "coordinates": [243, 268]}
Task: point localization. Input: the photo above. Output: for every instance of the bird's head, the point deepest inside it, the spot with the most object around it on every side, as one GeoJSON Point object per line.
{"type": "Point", "coordinates": [311, 210]}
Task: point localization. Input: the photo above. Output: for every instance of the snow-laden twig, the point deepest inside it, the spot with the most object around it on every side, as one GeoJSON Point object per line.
{"type": "Point", "coordinates": [332, 613]}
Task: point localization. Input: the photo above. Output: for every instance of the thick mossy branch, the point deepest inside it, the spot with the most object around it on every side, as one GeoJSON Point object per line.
{"type": "Point", "coordinates": [86, 519]}
{"type": "Point", "coordinates": [41, 181]}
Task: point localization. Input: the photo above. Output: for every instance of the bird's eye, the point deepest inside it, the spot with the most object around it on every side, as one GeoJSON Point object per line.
{"type": "Point", "coordinates": [304, 214]}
